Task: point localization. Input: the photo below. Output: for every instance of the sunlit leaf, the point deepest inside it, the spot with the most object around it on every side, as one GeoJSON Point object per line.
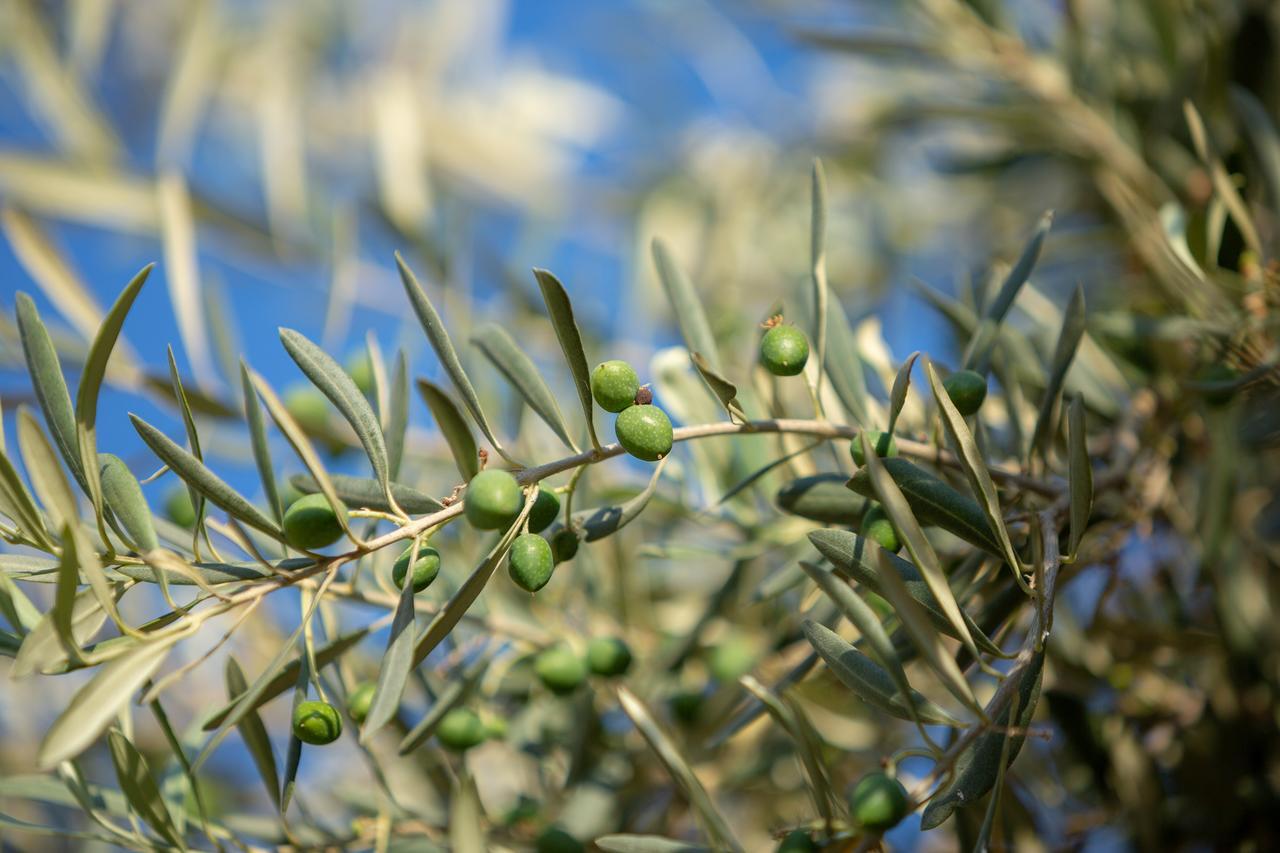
{"type": "Point", "coordinates": [49, 384]}
{"type": "Point", "coordinates": [686, 307]}
{"type": "Point", "coordinates": [726, 392]}
{"type": "Point", "coordinates": [560, 310]}
{"type": "Point", "coordinates": [462, 444]}
{"type": "Point", "coordinates": [139, 787]}
{"type": "Point", "coordinates": [898, 394]}
{"type": "Point", "coordinates": [505, 354]}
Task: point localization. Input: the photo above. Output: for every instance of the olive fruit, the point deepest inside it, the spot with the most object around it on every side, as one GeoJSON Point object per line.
{"type": "Point", "coordinates": [495, 728]}
{"type": "Point", "coordinates": [179, 509]}
{"type": "Point", "coordinates": [492, 500]}
{"type": "Point", "coordinates": [644, 432]}
{"type": "Point", "coordinates": [608, 656]}
{"type": "Point", "coordinates": [967, 390]}
{"type": "Point", "coordinates": [311, 523]}
{"type": "Point", "coordinates": [425, 568]}
{"type": "Point", "coordinates": [784, 350]}
{"type": "Point", "coordinates": [560, 670]}
{"type": "Point", "coordinates": [796, 841]}
{"type": "Point", "coordinates": [460, 729]}
{"type": "Point", "coordinates": [530, 563]}
{"type": "Point", "coordinates": [308, 407]}
{"type": "Point", "coordinates": [882, 442]}
{"type": "Point", "coordinates": [553, 839]}
{"type": "Point", "coordinates": [614, 385]}
{"type": "Point", "coordinates": [877, 527]}
{"type": "Point", "coordinates": [360, 369]}
{"type": "Point", "coordinates": [360, 700]}
{"type": "Point", "coordinates": [564, 545]}
{"type": "Point", "coordinates": [686, 706]}
{"type": "Point", "coordinates": [316, 723]}
{"type": "Point", "coordinates": [731, 659]}
{"type": "Point", "coordinates": [878, 802]}
{"type": "Point", "coordinates": [545, 509]}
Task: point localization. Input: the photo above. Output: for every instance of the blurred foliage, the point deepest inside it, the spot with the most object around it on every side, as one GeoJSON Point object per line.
{"type": "Point", "coordinates": [1086, 577]}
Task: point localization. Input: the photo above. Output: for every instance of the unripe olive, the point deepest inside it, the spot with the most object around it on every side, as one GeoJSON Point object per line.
{"type": "Point", "coordinates": [316, 723]}
{"type": "Point", "coordinates": [878, 802]}
{"type": "Point", "coordinates": [530, 562]}
{"type": "Point", "coordinates": [492, 500]}
{"type": "Point", "coordinates": [289, 493]}
{"type": "Point", "coordinates": [877, 527]}
{"type": "Point", "coordinates": [686, 705]}
{"type": "Point", "coordinates": [967, 390]}
{"type": "Point", "coordinates": [553, 839]}
{"type": "Point", "coordinates": [545, 509]}
{"type": "Point", "coordinates": [784, 350]}
{"type": "Point", "coordinates": [882, 441]}
{"type": "Point", "coordinates": [608, 656]}
{"type": "Point", "coordinates": [179, 509]}
{"type": "Point", "coordinates": [311, 523]}
{"type": "Point", "coordinates": [360, 700]}
{"type": "Point", "coordinates": [614, 385]}
{"type": "Point", "coordinates": [796, 841]}
{"type": "Point", "coordinates": [495, 728]}
{"type": "Point", "coordinates": [460, 729]}
{"type": "Point", "coordinates": [564, 545]}
{"type": "Point", "coordinates": [425, 568]}
{"type": "Point", "coordinates": [644, 432]}
{"type": "Point", "coordinates": [560, 670]}
{"type": "Point", "coordinates": [731, 659]}
{"type": "Point", "coordinates": [360, 369]}
{"type": "Point", "coordinates": [308, 407]}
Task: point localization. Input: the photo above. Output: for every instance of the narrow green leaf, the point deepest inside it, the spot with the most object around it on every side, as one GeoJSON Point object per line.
{"type": "Point", "coordinates": [396, 420]}
{"type": "Point", "coordinates": [686, 306]}
{"type": "Point", "coordinates": [1080, 486]}
{"type": "Point", "coordinates": [512, 362]}
{"type": "Point", "coordinates": [898, 394]}
{"type": "Point", "coordinates": [140, 788]}
{"type": "Point", "coordinates": [194, 473]}
{"type": "Point", "coordinates": [462, 444]}
{"type": "Point", "coordinates": [607, 520]}
{"type": "Point", "coordinates": [818, 263]}
{"type": "Point", "coordinates": [726, 392]}
{"type": "Point", "coordinates": [975, 470]}
{"type": "Point", "coordinates": [662, 745]}
{"type": "Point", "coordinates": [193, 437]}
{"type": "Point", "coordinates": [212, 573]}
{"type": "Point", "coordinates": [97, 702]}
{"type": "Point", "coordinates": [47, 479]}
{"type": "Point", "coordinates": [457, 690]}
{"type": "Point", "coordinates": [123, 496]}
{"type": "Point", "coordinates": [822, 497]}
{"type": "Point", "coordinates": [814, 767]}
{"type": "Point", "coordinates": [17, 503]}
{"type": "Point", "coordinates": [982, 843]}
{"type": "Point", "coordinates": [49, 384]}
{"type": "Point", "coordinates": [363, 493]}
{"type": "Point", "coordinates": [560, 310]}
{"type": "Point", "coordinates": [869, 680]}
{"type": "Point", "coordinates": [258, 442]}
{"type": "Point", "coordinates": [91, 377]}
{"type": "Point", "coordinates": [21, 614]}
{"type": "Point", "coordinates": [646, 844]}
{"type": "Point", "coordinates": [934, 502]}
{"type": "Point", "coordinates": [844, 365]}
{"type": "Point", "coordinates": [466, 834]}
{"type": "Point", "coordinates": [254, 734]}
{"type": "Point", "coordinates": [978, 353]}
{"type": "Point", "coordinates": [443, 346]}
{"type": "Point", "coordinates": [57, 637]}
{"type": "Point", "coordinates": [1073, 323]}
{"type": "Point", "coordinates": [327, 375]}
{"type": "Point", "coordinates": [397, 661]}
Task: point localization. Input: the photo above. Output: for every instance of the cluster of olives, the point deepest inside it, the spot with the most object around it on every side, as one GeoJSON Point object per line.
{"type": "Point", "coordinates": [643, 429]}
{"type": "Point", "coordinates": [494, 499]}
{"type": "Point", "coordinates": [562, 672]}
{"type": "Point", "coordinates": [877, 803]}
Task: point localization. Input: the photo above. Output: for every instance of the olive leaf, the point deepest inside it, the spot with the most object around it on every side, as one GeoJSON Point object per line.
{"type": "Point", "coordinates": [58, 636]}
{"type": "Point", "coordinates": [505, 354]}
{"type": "Point", "coordinates": [560, 310]}
{"type": "Point", "coordinates": [462, 445]}
{"type": "Point", "coordinates": [123, 496]}
{"type": "Point", "coordinates": [993, 803]}
{"type": "Point", "coordinates": [16, 503]}
{"type": "Point", "coordinates": [607, 520]}
{"type": "Point", "coordinates": [194, 473]}
{"type": "Point", "coordinates": [139, 787]}
{"type": "Point", "coordinates": [254, 734]}
{"type": "Point", "coordinates": [870, 681]}
{"type": "Point", "coordinates": [843, 364]}
{"type": "Point", "coordinates": [933, 502]}
{"type": "Point", "coordinates": [208, 574]}
{"type": "Point", "coordinates": [726, 392]}
{"type": "Point", "coordinates": [15, 606]}
{"type": "Point", "coordinates": [822, 497]}
{"type": "Point", "coordinates": [466, 833]}
{"type": "Point", "coordinates": [443, 346]}
{"type": "Point", "coordinates": [686, 306]}
{"type": "Point", "coordinates": [97, 702]}
{"type": "Point", "coordinates": [193, 437]}
{"type": "Point", "coordinates": [1080, 485]}
{"type": "Point", "coordinates": [818, 264]}
{"type": "Point", "coordinates": [258, 443]}
{"type": "Point", "coordinates": [361, 492]}
{"type": "Point", "coordinates": [397, 660]}
{"type": "Point", "coordinates": [1073, 323]}
{"type": "Point", "coordinates": [49, 384]}
{"type": "Point", "coordinates": [667, 752]}
{"type": "Point", "coordinates": [898, 393]}
{"type": "Point", "coordinates": [978, 353]}
{"type": "Point", "coordinates": [446, 700]}
{"type": "Point", "coordinates": [47, 479]}
{"type": "Point", "coordinates": [396, 420]}
{"type": "Point", "coordinates": [786, 717]}
{"type": "Point", "coordinates": [623, 843]}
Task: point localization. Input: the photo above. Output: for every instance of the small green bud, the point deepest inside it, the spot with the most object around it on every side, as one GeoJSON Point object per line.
{"type": "Point", "coordinates": [310, 523]}
{"type": "Point", "coordinates": [545, 509]}
{"type": "Point", "coordinates": [316, 723]}
{"type": "Point", "coordinates": [644, 432]}
{"type": "Point", "coordinates": [560, 670]}
{"type": "Point", "coordinates": [461, 729]}
{"type": "Point", "coordinates": [360, 700]}
{"type": "Point", "coordinates": [877, 527]}
{"type": "Point", "coordinates": [608, 656]}
{"type": "Point", "coordinates": [493, 500]}
{"type": "Point", "coordinates": [425, 568]}
{"type": "Point", "coordinates": [882, 441]}
{"type": "Point", "coordinates": [614, 385]}
{"type": "Point", "coordinates": [530, 562]}
{"type": "Point", "coordinates": [967, 390]}
{"type": "Point", "coordinates": [784, 350]}
{"type": "Point", "coordinates": [878, 802]}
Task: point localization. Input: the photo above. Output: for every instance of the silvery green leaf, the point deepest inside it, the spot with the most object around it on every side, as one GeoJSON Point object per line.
{"type": "Point", "coordinates": [898, 394]}
{"type": "Point", "coordinates": [123, 496]}
{"type": "Point", "coordinates": [139, 787]}
{"type": "Point", "coordinates": [363, 493]}
{"type": "Point", "coordinates": [726, 392]}
{"type": "Point", "coordinates": [1073, 323]}
{"type": "Point", "coordinates": [505, 354]}
{"type": "Point", "coordinates": [978, 352]}
{"type": "Point", "coordinates": [254, 734]}
{"type": "Point", "coordinates": [397, 419]}
{"type": "Point", "coordinates": [45, 471]}
{"type": "Point", "coordinates": [462, 444]}
{"type": "Point", "coordinates": [560, 310]}
{"type": "Point", "coordinates": [686, 307]}
{"type": "Point", "coordinates": [49, 384]}
{"type": "Point", "coordinates": [258, 442]}
{"type": "Point", "coordinates": [1080, 485]}
{"type": "Point", "coordinates": [934, 502]}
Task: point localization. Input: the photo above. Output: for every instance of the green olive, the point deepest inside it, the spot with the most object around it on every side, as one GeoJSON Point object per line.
{"type": "Point", "coordinates": [308, 407]}
{"type": "Point", "coordinates": [425, 568]}
{"type": "Point", "coordinates": [545, 509]}
{"type": "Point", "coordinates": [731, 659]}
{"type": "Point", "coordinates": [796, 841]}
{"type": "Point", "coordinates": [564, 544]}
{"type": "Point", "coordinates": [530, 562]}
{"type": "Point", "coordinates": [461, 729]}
{"type": "Point", "coordinates": [967, 390]}
{"type": "Point", "coordinates": [360, 700]}
{"type": "Point", "coordinates": [614, 385]}
{"type": "Point", "coordinates": [878, 802]}
{"type": "Point", "coordinates": [784, 350]}
{"type": "Point", "coordinates": [882, 441]}
{"type": "Point", "coordinates": [553, 839]}
{"type": "Point", "coordinates": [644, 432]}
{"type": "Point", "coordinates": [877, 527]}
{"type": "Point", "coordinates": [311, 523]}
{"type": "Point", "coordinates": [608, 656]}
{"type": "Point", "coordinates": [560, 670]}
{"type": "Point", "coordinates": [316, 723]}
{"type": "Point", "coordinates": [179, 509]}
{"type": "Point", "coordinates": [493, 500]}
{"type": "Point", "coordinates": [360, 369]}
